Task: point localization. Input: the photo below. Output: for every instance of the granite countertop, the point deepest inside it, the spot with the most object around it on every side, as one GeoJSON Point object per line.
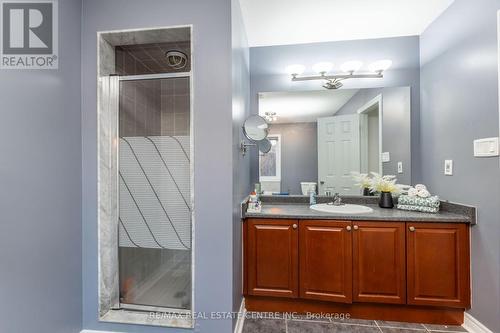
{"type": "Point", "coordinates": [302, 211]}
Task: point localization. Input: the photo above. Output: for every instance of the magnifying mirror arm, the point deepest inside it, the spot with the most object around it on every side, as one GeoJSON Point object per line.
{"type": "Point", "coordinates": [244, 147]}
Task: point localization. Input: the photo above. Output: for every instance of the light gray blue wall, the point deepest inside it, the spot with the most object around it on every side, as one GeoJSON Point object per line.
{"type": "Point", "coordinates": [40, 190]}
{"type": "Point", "coordinates": [213, 147]}
{"type": "Point", "coordinates": [396, 127]}
{"type": "Point", "coordinates": [299, 154]}
{"type": "Point", "coordinates": [267, 72]}
{"type": "Point", "coordinates": [241, 165]}
{"type": "Point", "coordinates": [459, 104]}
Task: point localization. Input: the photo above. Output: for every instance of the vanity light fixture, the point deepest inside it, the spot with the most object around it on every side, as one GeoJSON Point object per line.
{"type": "Point", "coordinates": [322, 67]}
{"type": "Point", "coordinates": [295, 69]}
{"type": "Point", "coordinates": [270, 116]}
{"type": "Point", "coordinates": [348, 71]}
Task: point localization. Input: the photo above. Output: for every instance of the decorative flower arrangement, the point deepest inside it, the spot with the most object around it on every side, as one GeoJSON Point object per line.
{"type": "Point", "coordinates": [362, 180]}
{"type": "Point", "coordinates": [384, 184]}
{"type": "Point", "coordinates": [376, 183]}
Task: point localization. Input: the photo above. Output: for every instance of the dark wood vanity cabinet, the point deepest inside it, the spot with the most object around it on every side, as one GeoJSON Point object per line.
{"type": "Point", "coordinates": [424, 264]}
{"type": "Point", "coordinates": [325, 260]}
{"type": "Point", "coordinates": [379, 262]}
{"type": "Point", "coordinates": [272, 257]}
{"type": "Point", "coordinates": [438, 263]}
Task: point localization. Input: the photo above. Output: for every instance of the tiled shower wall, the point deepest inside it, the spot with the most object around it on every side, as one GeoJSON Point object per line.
{"type": "Point", "coordinates": [154, 107]}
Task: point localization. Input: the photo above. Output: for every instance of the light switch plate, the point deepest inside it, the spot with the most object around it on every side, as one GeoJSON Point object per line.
{"type": "Point", "coordinates": [386, 157]}
{"type": "Point", "coordinates": [400, 167]}
{"type": "Point", "coordinates": [448, 167]}
{"type": "Point", "coordinates": [486, 147]}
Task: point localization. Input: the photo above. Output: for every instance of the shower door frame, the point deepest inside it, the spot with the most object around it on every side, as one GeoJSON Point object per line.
{"type": "Point", "coordinates": [159, 76]}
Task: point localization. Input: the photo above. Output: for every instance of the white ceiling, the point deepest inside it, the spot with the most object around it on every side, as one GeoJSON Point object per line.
{"type": "Point", "coordinates": [303, 106]}
{"type": "Point", "coordinates": [279, 22]}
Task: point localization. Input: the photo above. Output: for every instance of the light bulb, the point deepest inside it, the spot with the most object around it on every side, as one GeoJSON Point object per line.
{"type": "Point", "coordinates": [295, 69]}
{"type": "Point", "coordinates": [322, 67]}
{"type": "Point", "coordinates": [351, 66]}
{"type": "Point", "coordinates": [380, 66]}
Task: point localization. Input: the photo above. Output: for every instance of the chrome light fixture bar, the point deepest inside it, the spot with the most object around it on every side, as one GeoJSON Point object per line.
{"type": "Point", "coordinates": [349, 69]}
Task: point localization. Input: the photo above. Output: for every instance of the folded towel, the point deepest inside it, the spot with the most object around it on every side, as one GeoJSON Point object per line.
{"type": "Point", "coordinates": [420, 187]}
{"type": "Point", "coordinates": [423, 193]}
{"type": "Point", "coordinates": [432, 202]}
{"type": "Point", "coordinates": [422, 209]}
{"type": "Point", "coordinates": [412, 192]}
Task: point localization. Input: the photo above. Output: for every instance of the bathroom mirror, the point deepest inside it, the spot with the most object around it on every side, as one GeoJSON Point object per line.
{"type": "Point", "coordinates": [255, 128]}
{"type": "Point", "coordinates": [319, 137]}
{"type": "Point", "coordinates": [264, 146]}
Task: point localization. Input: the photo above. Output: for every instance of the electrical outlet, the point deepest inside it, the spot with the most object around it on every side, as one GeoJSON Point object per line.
{"type": "Point", "coordinates": [448, 167]}
{"type": "Point", "coordinates": [400, 167]}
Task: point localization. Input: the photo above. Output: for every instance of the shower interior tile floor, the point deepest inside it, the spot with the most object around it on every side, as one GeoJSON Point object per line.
{"type": "Point", "coordinates": [256, 324]}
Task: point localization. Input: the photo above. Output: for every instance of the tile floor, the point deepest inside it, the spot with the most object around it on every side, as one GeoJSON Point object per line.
{"type": "Point", "coordinates": [256, 324]}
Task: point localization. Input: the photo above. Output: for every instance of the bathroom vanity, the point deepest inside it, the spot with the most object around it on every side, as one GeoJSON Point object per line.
{"type": "Point", "coordinates": [388, 265]}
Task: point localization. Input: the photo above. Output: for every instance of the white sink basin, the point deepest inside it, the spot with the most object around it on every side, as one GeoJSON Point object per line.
{"type": "Point", "coordinates": [343, 209]}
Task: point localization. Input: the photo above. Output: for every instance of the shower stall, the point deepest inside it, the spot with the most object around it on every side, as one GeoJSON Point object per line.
{"type": "Point", "coordinates": [145, 176]}
{"type": "Point", "coordinates": [154, 192]}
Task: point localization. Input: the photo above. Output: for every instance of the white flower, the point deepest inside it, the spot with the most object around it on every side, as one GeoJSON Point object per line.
{"type": "Point", "coordinates": [386, 183]}
{"type": "Point", "coordinates": [362, 179]}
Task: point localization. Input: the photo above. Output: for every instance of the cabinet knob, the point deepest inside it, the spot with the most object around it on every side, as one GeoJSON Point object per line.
{"type": "Point", "coordinates": [356, 227]}
{"type": "Point", "coordinates": [412, 229]}
{"type": "Point", "coordinates": [348, 228]}
{"type": "Point", "coordinates": [294, 226]}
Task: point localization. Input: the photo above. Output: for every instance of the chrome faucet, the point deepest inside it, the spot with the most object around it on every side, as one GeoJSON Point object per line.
{"type": "Point", "coordinates": [337, 200]}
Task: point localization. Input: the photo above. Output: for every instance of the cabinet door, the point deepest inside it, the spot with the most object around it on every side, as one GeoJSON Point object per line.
{"type": "Point", "coordinates": [438, 264]}
{"type": "Point", "coordinates": [272, 267]}
{"type": "Point", "coordinates": [379, 266]}
{"type": "Point", "coordinates": [325, 260]}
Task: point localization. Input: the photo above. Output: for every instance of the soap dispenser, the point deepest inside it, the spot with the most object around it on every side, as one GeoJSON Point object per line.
{"type": "Point", "coordinates": [312, 198]}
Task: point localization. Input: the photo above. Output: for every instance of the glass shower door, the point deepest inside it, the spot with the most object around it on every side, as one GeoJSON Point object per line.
{"type": "Point", "coordinates": [155, 192]}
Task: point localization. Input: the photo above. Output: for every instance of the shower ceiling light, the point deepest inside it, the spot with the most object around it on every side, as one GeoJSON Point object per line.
{"type": "Point", "coordinates": [333, 81]}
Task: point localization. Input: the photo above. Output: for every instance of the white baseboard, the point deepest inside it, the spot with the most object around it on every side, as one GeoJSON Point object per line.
{"type": "Point", "coordinates": [473, 325]}
{"type": "Point", "coordinates": [92, 331]}
{"type": "Point", "coordinates": [241, 318]}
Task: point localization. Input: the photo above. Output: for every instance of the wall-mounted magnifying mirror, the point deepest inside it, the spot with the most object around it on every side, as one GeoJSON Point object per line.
{"type": "Point", "coordinates": [255, 128]}
{"type": "Point", "coordinates": [264, 146]}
